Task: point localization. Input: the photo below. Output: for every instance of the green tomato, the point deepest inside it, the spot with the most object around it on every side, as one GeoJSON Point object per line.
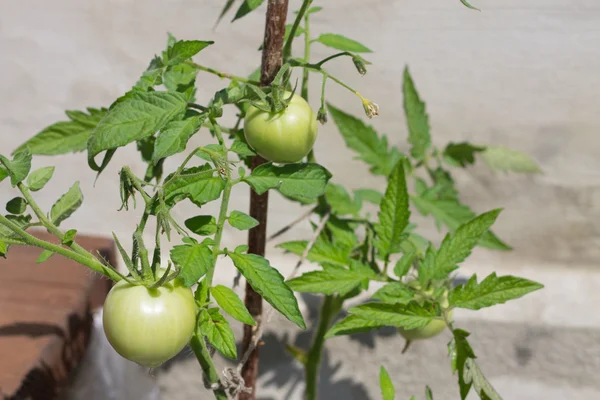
{"type": "Point", "coordinates": [149, 326]}
{"type": "Point", "coordinates": [283, 137]}
{"type": "Point", "coordinates": [430, 330]}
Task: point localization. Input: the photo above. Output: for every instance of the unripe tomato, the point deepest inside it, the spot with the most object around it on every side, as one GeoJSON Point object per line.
{"type": "Point", "coordinates": [283, 137]}
{"type": "Point", "coordinates": [149, 326]}
{"type": "Point", "coordinates": [430, 330]}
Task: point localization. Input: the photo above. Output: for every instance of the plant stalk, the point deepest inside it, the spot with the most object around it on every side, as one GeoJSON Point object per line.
{"type": "Point", "coordinates": [272, 59]}
{"type": "Point", "coordinates": [198, 345]}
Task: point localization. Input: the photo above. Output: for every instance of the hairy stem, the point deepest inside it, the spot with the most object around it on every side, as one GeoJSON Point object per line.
{"type": "Point", "coordinates": [305, 74]}
{"type": "Point", "coordinates": [220, 74]}
{"type": "Point", "coordinates": [330, 308]}
{"type": "Point", "coordinates": [198, 345]}
{"type": "Point", "coordinates": [287, 49]}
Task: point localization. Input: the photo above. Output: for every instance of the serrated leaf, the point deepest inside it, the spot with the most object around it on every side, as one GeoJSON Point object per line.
{"type": "Point", "coordinates": [67, 204]}
{"type": "Point", "coordinates": [340, 42]}
{"type": "Point", "coordinates": [352, 324]}
{"type": "Point", "coordinates": [138, 116]}
{"type": "Point", "coordinates": [460, 352]}
{"type": "Point", "coordinates": [342, 234]}
{"type": "Point", "coordinates": [452, 214]}
{"type": "Point", "coordinates": [181, 78]}
{"type": "Point", "coordinates": [404, 263]}
{"type": "Point", "coordinates": [44, 256]}
{"type": "Point", "coordinates": [69, 236]}
{"type": "Point", "coordinates": [224, 11]}
{"type": "Point", "coordinates": [18, 168]}
{"type": "Point", "coordinates": [203, 225]}
{"type": "Point", "coordinates": [387, 387]}
{"type": "Point", "coordinates": [199, 184]}
{"type": "Point", "coordinates": [3, 173]}
{"type": "Point", "coordinates": [38, 178]}
{"type": "Point", "coordinates": [330, 280]}
{"type": "Point", "coordinates": [365, 141]}
{"type": "Point", "coordinates": [269, 284]}
{"type": "Point", "coordinates": [481, 385]}
{"type": "Point", "coordinates": [322, 252]}
{"type": "Point", "coordinates": [173, 138]}
{"type": "Point", "coordinates": [457, 246]}
{"type": "Point", "coordinates": [229, 301]}
{"type": "Point", "coordinates": [185, 49]}
{"type": "Point", "coordinates": [65, 136]}
{"type": "Point", "coordinates": [17, 205]}
{"type": "Point", "coordinates": [340, 201]}
{"type": "Point", "coordinates": [417, 119]}
{"type": "Point", "coordinates": [22, 221]}
{"type": "Point", "coordinates": [247, 7]}
{"type": "Point", "coordinates": [370, 195]}
{"type": "Point", "coordinates": [304, 182]}
{"type": "Point", "coordinates": [242, 149]}
{"type": "Point", "coordinates": [461, 154]}
{"type": "Point", "coordinates": [218, 332]}
{"type": "Point", "coordinates": [503, 159]}
{"type": "Point", "coordinates": [491, 291]}
{"type": "Point", "coordinates": [241, 221]}
{"type": "Point", "coordinates": [193, 260]}
{"type": "Point", "coordinates": [407, 316]}
{"type": "Point", "coordinates": [152, 76]}
{"type": "Point", "coordinates": [393, 214]}
{"type": "Point", "coordinates": [394, 293]}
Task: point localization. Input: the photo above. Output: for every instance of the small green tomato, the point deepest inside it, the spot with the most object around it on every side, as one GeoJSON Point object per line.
{"type": "Point", "coordinates": [430, 330]}
{"type": "Point", "coordinates": [149, 326]}
{"type": "Point", "coordinates": [283, 137]}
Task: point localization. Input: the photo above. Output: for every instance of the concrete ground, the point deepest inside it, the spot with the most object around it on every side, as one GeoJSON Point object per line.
{"type": "Point", "coordinates": [520, 74]}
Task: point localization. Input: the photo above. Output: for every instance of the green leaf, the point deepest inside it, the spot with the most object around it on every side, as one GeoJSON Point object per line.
{"type": "Point", "coordinates": [387, 387]}
{"type": "Point", "coordinates": [311, 10]}
{"type": "Point", "coordinates": [67, 204]}
{"type": "Point", "coordinates": [22, 221]}
{"type": "Point", "coordinates": [65, 136]}
{"type": "Point", "coordinates": [203, 225]}
{"type": "Point", "coordinates": [482, 386]}
{"type": "Point", "coordinates": [44, 256]}
{"type": "Point", "coordinates": [242, 149]}
{"type": "Point", "coordinates": [460, 352]}
{"type": "Point", "coordinates": [330, 280]}
{"type": "Point", "coordinates": [342, 234]}
{"type": "Point", "coordinates": [352, 324]}
{"type": "Point", "coordinates": [394, 293]}
{"type": "Point", "coordinates": [241, 221]}
{"type": "Point", "coordinates": [18, 168]}
{"type": "Point", "coordinates": [491, 291]}
{"type": "Point", "coordinates": [461, 154]}
{"type": "Point", "coordinates": [181, 78]}
{"type": "Point", "coordinates": [229, 301]}
{"type": "Point", "coordinates": [269, 284]}
{"type": "Point", "coordinates": [246, 7]}
{"type": "Point", "coordinates": [225, 10]}
{"type": "Point", "coordinates": [185, 49]}
{"type": "Point", "coordinates": [323, 252]}
{"type": "Point", "coordinates": [428, 393]}
{"type": "Point", "coordinates": [364, 140]}
{"type": "Point", "coordinates": [3, 173]}
{"type": "Point", "coordinates": [370, 195]}
{"type": "Point", "coordinates": [218, 332]}
{"type": "Point", "coordinates": [137, 116]}
{"type": "Point", "coordinates": [457, 246]}
{"type": "Point", "coordinates": [452, 214]}
{"type": "Point", "coordinates": [468, 5]}
{"type": "Point", "coordinates": [193, 260]}
{"type": "Point", "coordinates": [69, 236]}
{"type": "Point", "coordinates": [173, 138]}
{"type": "Point", "coordinates": [416, 119]}
{"type": "Point", "coordinates": [199, 184]}
{"type": "Point", "coordinates": [340, 201]}
{"type": "Point", "coordinates": [407, 316]}
{"type": "Point", "coordinates": [342, 43]}
{"type": "Point", "coordinates": [503, 159]}
{"type": "Point", "coordinates": [305, 182]}
{"type": "Point", "coordinates": [403, 265]}
{"type": "Point", "coordinates": [38, 178]}
{"type": "Point", "coordinates": [17, 205]}
{"type": "Point", "coordinates": [393, 214]}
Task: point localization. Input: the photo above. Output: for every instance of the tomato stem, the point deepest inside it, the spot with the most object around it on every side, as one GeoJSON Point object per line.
{"type": "Point", "coordinates": [199, 348]}
{"type": "Point", "coordinates": [287, 48]}
{"type": "Point", "coordinates": [220, 74]}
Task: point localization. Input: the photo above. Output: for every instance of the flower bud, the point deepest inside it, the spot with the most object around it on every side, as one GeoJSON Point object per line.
{"type": "Point", "coordinates": [322, 116]}
{"type": "Point", "coordinates": [371, 109]}
{"type": "Point", "coordinates": [360, 64]}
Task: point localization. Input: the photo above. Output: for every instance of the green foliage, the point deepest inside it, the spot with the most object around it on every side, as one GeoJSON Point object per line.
{"type": "Point", "coordinates": [241, 221]}
{"type": "Point", "coordinates": [342, 43]}
{"type": "Point", "coordinates": [416, 119]}
{"type": "Point", "coordinates": [203, 225]}
{"type": "Point", "coordinates": [387, 387]}
{"type": "Point", "coordinates": [246, 7]}
{"type": "Point", "coordinates": [491, 291]}
{"type": "Point", "coordinates": [193, 261]}
{"type": "Point", "coordinates": [461, 154]}
{"type": "Point", "coordinates": [503, 159]}
{"type": "Point", "coordinates": [16, 205]}
{"type": "Point", "coordinates": [331, 280]}
{"type": "Point", "coordinates": [183, 50]}
{"type": "Point", "coordinates": [408, 316]}
{"type": "Point", "coordinates": [231, 304]}
{"type": "Point", "coordinates": [39, 178]}
{"type": "Point", "coordinates": [216, 329]}
{"type": "Point", "coordinates": [66, 205]}
{"type": "Point", "coordinates": [198, 184]}
{"type": "Point", "coordinates": [18, 168]}
{"type": "Point", "coordinates": [268, 282]}
{"type": "Point", "coordinates": [173, 138]}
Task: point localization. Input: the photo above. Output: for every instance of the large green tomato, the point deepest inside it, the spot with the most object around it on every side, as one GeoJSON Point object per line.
{"type": "Point", "coordinates": [283, 137]}
{"type": "Point", "coordinates": [149, 326]}
{"type": "Point", "coordinates": [430, 330]}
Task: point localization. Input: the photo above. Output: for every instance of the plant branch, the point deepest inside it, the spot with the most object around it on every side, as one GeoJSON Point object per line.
{"type": "Point", "coordinates": [287, 50]}
{"type": "Point", "coordinates": [201, 352]}
{"type": "Point", "coordinates": [220, 74]}
{"type": "Point", "coordinates": [305, 74]}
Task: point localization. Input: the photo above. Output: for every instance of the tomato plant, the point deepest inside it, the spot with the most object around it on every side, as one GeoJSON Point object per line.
{"type": "Point", "coordinates": [151, 314]}
{"type": "Point", "coordinates": [149, 325]}
{"type": "Point", "coordinates": [286, 136]}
